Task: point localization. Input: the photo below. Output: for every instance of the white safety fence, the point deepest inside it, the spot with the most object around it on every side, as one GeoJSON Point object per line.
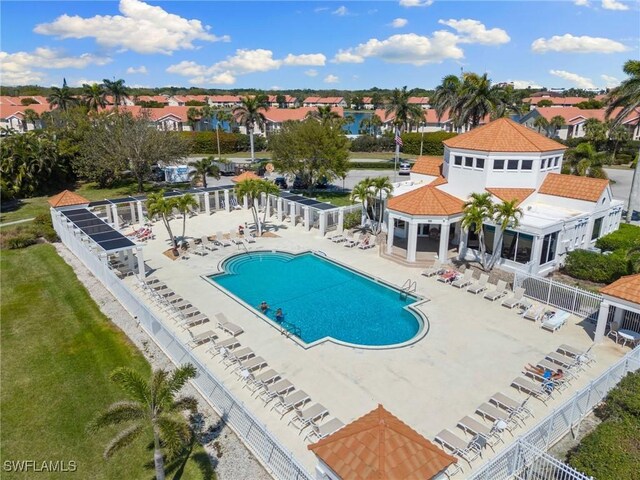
{"type": "Point", "coordinates": [279, 461]}
{"type": "Point", "coordinates": [571, 299]}
{"type": "Point", "coordinates": [526, 458]}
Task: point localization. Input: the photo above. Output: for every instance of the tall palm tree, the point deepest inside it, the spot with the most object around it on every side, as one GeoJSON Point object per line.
{"type": "Point", "coordinates": [32, 116]}
{"type": "Point", "coordinates": [363, 193]}
{"type": "Point", "coordinates": [253, 189]}
{"type": "Point", "coordinates": [446, 95]}
{"type": "Point", "coordinates": [542, 123]}
{"type": "Point", "coordinates": [477, 210]}
{"type": "Point", "coordinates": [324, 114]}
{"type": "Point", "coordinates": [250, 113]}
{"type": "Point", "coordinates": [382, 188]}
{"type": "Point", "coordinates": [204, 168]}
{"type": "Point", "coordinates": [193, 115]}
{"type": "Point", "coordinates": [477, 99]}
{"type": "Point", "coordinates": [556, 123]}
{"type": "Point", "coordinates": [117, 90]}
{"type": "Point", "coordinates": [184, 204]}
{"type": "Point", "coordinates": [404, 112]}
{"type": "Point", "coordinates": [158, 205]}
{"type": "Point", "coordinates": [153, 407]}
{"type": "Point", "coordinates": [94, 96]}
{"type": "Point", "coordinates": [223, 116]}
{"type": "Point", "coordinates": [371, 125]}
{"type": "Point", "coordinates": [506, 214]}
{"type": "Point", "coordinates": [207, 114]}
{"type": "Point", "coordinates": [626, 97]}
{"type": "Point", "coordinates": [61, 97]}
{"type": "Point", "coordinates": [586, 161]}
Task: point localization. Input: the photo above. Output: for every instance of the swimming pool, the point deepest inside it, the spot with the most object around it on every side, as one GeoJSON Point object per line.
{"type": "Point", "coordinates": [320, 298]}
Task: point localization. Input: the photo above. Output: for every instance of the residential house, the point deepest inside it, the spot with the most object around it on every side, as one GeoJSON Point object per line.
{"type": "Point", "coordinates": [289, 102]}
{"type": "Point", "coordinates": [324, 101]}
{"type": "Point", "coordinates": [12, 117]}
{"type": "Point", "coordinates": [422, 101]}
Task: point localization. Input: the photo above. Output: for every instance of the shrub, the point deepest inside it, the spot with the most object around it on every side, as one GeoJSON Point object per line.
{"type": "Point", "coordinates": [352, 219]}
{"type": "Point", "coordinates": [624, 400]}
{"type": "Point", "coordinates": [19, 237]}
{"type": "Point", "coordinates": [596, 267]}
{"type": "Point", "coordinates": [372, 165]}
{"type": "Point", "coordinates": [625, 238]}
{"type": "Point", "coordinates": [431, 143]}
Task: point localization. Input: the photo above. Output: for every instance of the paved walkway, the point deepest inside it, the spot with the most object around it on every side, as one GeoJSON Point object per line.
{"type": "Point", "coordinates": [16, 222]}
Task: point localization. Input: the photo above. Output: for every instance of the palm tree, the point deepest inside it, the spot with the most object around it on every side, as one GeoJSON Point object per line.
{"type": "Point", "coordinates": [252, 189]}
{"type": "Point", "coordinates": [477, 99]}
{"type": "Point", "coordinates": [404, 112]}
{"type": "Point", "coordinates": [617, 133]}
{"type": "Point", "coordinates": [556, 123]}
{"type": "Point", "coordinates": [158, 205]}
{"type": "Point", "coordinates": [184, 204]}
{"type": "Point", "coordinates": [153, 407]}
{"type": "Point", "coordinates": [324, 114]}
{"type": "Point", "coordinates": [476, 211]}
{"type": "Point", "coordinates": [117, 90]}
{"type": "Point", "coordinates": [203, 168]}
{"type": "Point", "coordinates": [32, 116]}
{"type": "Point", "coordinates": [382, 188]}
{"type": "Point", "coordinates": [371, 125]}
{"type": "Point", "coordinates": [94, 96]}
{"type": "Point", "coordinates": [222, 116]}
{"type": "Point", "coordinates": [207, 112]}
{"type": "Point", "coordinates": [61, 97]}
{"type": "Point", "coordinates": [626, 97]}
{"type": "Point", "coordinates": [193, 115]}
{"type": "Point", "coordinates": [446, 95]}
{"type": "Point", "coordinates": [542, 123]}
{"type": "Point", "coordinates": [363, 193]}
{"type": "Point", "coordinates": [595, 131]}
{"type": "Point", "coordinates": [586, 161]}
{"type": "Point", "coordinates": [505, 215]}
{"type": "Point", "coordinates": [250, 113]}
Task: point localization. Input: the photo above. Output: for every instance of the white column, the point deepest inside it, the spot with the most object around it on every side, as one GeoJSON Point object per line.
{"type": "Point", "coordinates": [601, 326]}
{"type": "Point", "coordinates": [280, 212]}
{"type": "Point", "coordinates": [618, 316]}
{"type": "Point", "coordinates": [444, 242]}
{"type": "Point", "coordinates": [268, 206]}
{"type": "Point", "coordinates": [141, 270]}
{"type": "Point", "coordinates": [536, 251]}
{"type": "Point", "coordinates": [412, 241]}
{"type": "Point", "coordinates": [227, 206]}
{"type": "Point", "coordinates": [116, 220]}
{"type": "Point", "coordinates": [108, 210]}
{"type": "Point", "coordinates": [216, 199]}
{"type": "Point", "coordinates": [341, 220]}
{"type": "Point", "coordinates": [130, 260]}
{"type": "Point", "coordinates": [245, 202]}
{"type": "Point", "coordinates": [307, 225]}
{"type": "Point", "coordinates": [132, 208]}
{"type": "Point", "coordinates": [390, 233]}
{"type": "Point", "coordinates": [323, 223]}
{"type": "Point", "coordinates": [463, 243]}
{"type": "Point", "coordinates": [207, 207]}
{"type": "Point", "coordinates": [140, 213]}
{"type": "Point", "coordinates": [292, 210]}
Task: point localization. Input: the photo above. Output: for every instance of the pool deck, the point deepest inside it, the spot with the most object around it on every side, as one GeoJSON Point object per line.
{"type": "Point", "coordinates": [473, 349]}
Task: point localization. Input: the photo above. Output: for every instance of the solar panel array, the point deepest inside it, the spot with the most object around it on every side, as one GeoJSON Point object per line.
{"type": "Point", "coordinates": [170, 193]}
{"type": "Point", "coordinates": [95, 228]}
{"type": "Point", "coordinates": [309, 202]}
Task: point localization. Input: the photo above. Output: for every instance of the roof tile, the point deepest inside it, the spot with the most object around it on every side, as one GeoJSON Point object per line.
{"type": "Point", "coordinates": [572, 186]}
{"type": "Point", "coordinates": [427, 200]}
{"type": "Point", "coordinates": [626, 288]}
{"type": "Point", "coordinates": [248, 175]}
{"type": "Point", "coordinates": [66, 199]}
{"type": "Point", "coordinates": [509, 194]}
{"type": "Point", "coordinates": [428, 165]}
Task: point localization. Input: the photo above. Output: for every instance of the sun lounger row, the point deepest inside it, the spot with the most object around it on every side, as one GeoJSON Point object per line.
{"type": "Point", "coordinates": [362, 241]}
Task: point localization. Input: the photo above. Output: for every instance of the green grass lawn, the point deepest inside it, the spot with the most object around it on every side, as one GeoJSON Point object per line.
{"type": "Point", "coordinates": [335, 198]}
{"type": "Point", "coordinates": [57, 352]}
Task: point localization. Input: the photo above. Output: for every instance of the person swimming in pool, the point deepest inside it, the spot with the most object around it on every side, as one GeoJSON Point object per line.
{"type": "Point", "coordinates": [264, 306]}
{"type": "Point", "coordinates": [279, 316]}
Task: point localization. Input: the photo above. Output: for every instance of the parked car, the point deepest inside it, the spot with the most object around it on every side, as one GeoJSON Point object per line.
{"type": "Point", "coordinates": [404, 168]}
{"type": "Point", "coordinates": [281, 182]}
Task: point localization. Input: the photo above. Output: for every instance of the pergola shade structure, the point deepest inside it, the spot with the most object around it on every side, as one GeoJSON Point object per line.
{"type": "Point", "coordinates": [308, 211]}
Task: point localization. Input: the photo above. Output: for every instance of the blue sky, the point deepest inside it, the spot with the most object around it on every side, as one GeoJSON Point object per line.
{"type": "Point", "coordinates": [330, 44]}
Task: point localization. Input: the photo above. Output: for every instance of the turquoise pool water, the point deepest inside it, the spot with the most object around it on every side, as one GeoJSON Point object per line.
{"type": "Point", "coordinates": [320, 298]}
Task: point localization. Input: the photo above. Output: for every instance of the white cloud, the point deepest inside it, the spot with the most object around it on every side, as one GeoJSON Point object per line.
{"type": "Point", "coordinates": [83, 81]}
{"type": "Point", "coordinates": [22, 67]}
{"type": "Point", "coordinates": [574, 78]}
{"type": "Point", "coordinates": [614, 5]}
{"type": "Point", "coordinates": [243, 62]}
{"type": "Point", "coordinates": [581, 3]}
{"type": "Point", "coordinates": [472, 31]}
{"type": "Point", "coordinates": [415, 3]}
{"type": "Point", "coordinates": [519, 84]}
{"type": "Point", "coordinates": [331, 79]}
{"type": "Point", "coordinates": [137, 70]}
{"type": "Point", "coordinates": [610, 81]}
{"type": "Point", "coordinates": [141, 28]}
{"type": "Point", "coordinates": [568, 43]}
{"type": "Point", "coordinates": [407, 48]}
{"type": "Point", "coordinates": [276, 87]}
{"type": "Point", "coordinates": [340, 11]}
{"type": "Point", "coordinates": [311, 73]}
{"type": "Point", "coordinates": [310, 59]}
{"type": "Point", "coordinates": [320, 9]}
{"type": "Point", "coordinates": [399, 22]}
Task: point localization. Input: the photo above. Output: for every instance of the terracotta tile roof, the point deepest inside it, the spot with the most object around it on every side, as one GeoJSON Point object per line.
{"type": "Point", "coordinates": [428, 165]}
{"type": "Point", "coordinates": [245, 176]}
{"type": "Point", "coordinates": [323, 100]}
{"type": "Point", "coordinates": [556, 100]}
{"type": "Point", "coordinates": [382, 114]}
{"type": "Point", "coordinates": [572, 186]}
{"type": "Point", "coordinates": [427, 200]}
{"type": "Point", "coordinates": [419, 100]}
{"type": "Point", "coordinates": [574, 115]}
{"type": "Point", "coordinates": [66, 199]}
{"type": "Point", "coordinates": [508, 194]}
{"type": "Point", "coordinates": [378, 445]}
{"type": "Point", "coordinates": [438, 181]}
{"type": "Point", "coordinates": [626, 288]}
{"type": "Point", "coordinates": [7, 110]}
{"type": "Point", "coordinates": [503, 135]}
{"type": "Point", "coordinates": [152, 98]}
{"type": "Point", "coordinates": [224, 98]}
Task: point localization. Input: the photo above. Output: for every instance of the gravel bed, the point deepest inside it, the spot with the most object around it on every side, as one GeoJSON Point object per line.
{"type": "Point", "coordinates": [229, 456]}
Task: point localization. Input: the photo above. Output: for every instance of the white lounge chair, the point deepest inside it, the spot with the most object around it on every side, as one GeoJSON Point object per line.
{"type": "Point", "coordinates": [337, 238]}
{"type": "Point", "coordinates": [468, 451]}
{"type": "Point", "coordinates": [555, 321]}
{"type": "Point", "coordinates": [249, 238]}
{"type": "Point", "coordinates": [474, 427]}
{"type": "Point", "coordinates": [493, 413]}
{"type": "Point", "coordinates": [324, 430]}
{"type": "Point", "coordinates": [562, 360]}
{"type": "Point", "coordinates": [262, 380]}
{"type": "Point", "coordinates": [279, 388]}
{"type": "Point", "coordinates": [293, 400]}
{"type": "Point", "coordinates": [221, 241]}
{"type": "Point", "coordinates": [229, 327]}
{"type": "Point", "coordinates": [228, 344]}
{"type": "Point", "coordinates": [201, 338]}
{"type": "Point", "coordinates": [582, 356]}
{"type": "Point", "coordinates": [498, 292]}
{"type": "Point", "coordinates": [236, 356]}
{"type": "Point", "coordinates": [353, 241]}
{"type": "Point", "coordinates": [208, 244]}
{"type": "Point", "coordinates": [312, 414]}
{"type": "Point", "coordinates": [515, 299]}
{"type": "Point", "coordinates": [534, 313]}
{"type": "Point", "coordinates": [433, 269]}
{"type": "Point", "coordinates": [235, 238]}
{"type": "Point", "coordinates": [466, 279]}
{"type": "Point", "coordinates": [367, 242]}
{"type": "Point", "coordinates": [532, 388]}
{"type": "Point", "coordinates": [251, 364]}
{"type": "Point", "coordinates": [479, 286]}
{"type": "Point", "coordinates": [520, 409]}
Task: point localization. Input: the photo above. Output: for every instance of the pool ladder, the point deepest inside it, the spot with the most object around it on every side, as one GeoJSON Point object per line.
{"type": "Point", "coordinates": [289, 329]}
{"type": "Point", "coordinates": [408, 287]}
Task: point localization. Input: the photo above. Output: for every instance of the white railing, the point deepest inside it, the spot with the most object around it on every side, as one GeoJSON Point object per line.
{"type": "Point", "coordinates": [280, 462]}
{"type": "Point", "coordinates": [571, 299]}
{"type": "Point", "coordinates": [528, 452]}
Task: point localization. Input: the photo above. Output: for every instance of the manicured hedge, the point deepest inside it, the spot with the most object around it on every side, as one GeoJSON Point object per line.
{"type": "Point", "coordinates": [206, 142]}
{"type": "Point", "coordinates": [625, 238]}
{"type": "Point", "coordinates": [372, 165]}
{"type": "Point", "coordinates": [596, 267]}
{"type": "Point", "coordinates": [432, 144]}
